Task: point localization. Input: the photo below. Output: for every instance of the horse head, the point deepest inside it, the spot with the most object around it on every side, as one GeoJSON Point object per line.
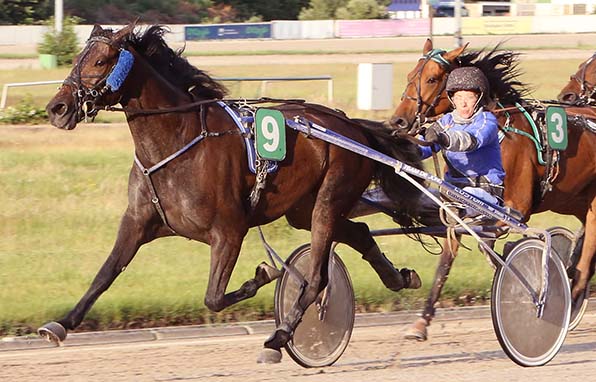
{"type": "Point", "coordinates": [581, 88]}
{"type": "Point", "coordinates": [424, 95]}
{"type": "Point", "coordinates": [95, 80]}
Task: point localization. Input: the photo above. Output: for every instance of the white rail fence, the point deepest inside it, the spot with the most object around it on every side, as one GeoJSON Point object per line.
{"type": "Point", "coordinates": [264, 83]}
{"type": "Point", "coordinates": [20, 84]}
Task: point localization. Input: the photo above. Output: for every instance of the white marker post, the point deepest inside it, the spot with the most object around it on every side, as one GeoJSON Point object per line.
{"type": "Point", "coordinates": [58, 15]}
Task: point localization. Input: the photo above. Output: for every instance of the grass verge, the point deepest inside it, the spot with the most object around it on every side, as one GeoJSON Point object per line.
{"type": "Point", "coordinates": [63, 194]}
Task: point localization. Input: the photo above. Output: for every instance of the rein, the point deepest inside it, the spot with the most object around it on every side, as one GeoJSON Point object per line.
{"type": "Point", "coordinates": [193, 105]}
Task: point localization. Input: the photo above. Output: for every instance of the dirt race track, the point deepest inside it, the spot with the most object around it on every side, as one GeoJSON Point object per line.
{"type": "Point", "coordinates": [462, 347]}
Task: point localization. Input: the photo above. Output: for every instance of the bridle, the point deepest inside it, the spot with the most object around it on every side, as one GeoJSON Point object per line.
{"type": "Point", "coordinates": [587, 89]}
{"type": "Point", "coordinates": [85, 93]}
{"type": "Point", "coordinates": [435, 55]}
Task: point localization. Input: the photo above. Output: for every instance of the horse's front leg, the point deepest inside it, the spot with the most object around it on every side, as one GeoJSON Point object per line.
{"type": "Point", "coordinates": [417, 331]}
{"type": "Point", "coordinates": [131, 235]}
{"type": "Point", "coordinates": [585, 266]}
{"type": "Point", "coordinates": [264, 274]}
{"type": "Point", "coordinates": [225, 248]}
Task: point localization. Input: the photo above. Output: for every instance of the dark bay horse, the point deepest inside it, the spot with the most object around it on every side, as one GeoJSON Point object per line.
{"type": "Point", "coordinates": [201, 191]}
{"type": "Point", "coordinates": [566, 186]}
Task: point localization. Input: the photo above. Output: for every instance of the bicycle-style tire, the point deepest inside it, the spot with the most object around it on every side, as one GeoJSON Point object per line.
{"type": "Point", "coordinates": [316, 342]}
{"type": "Point", "coordinates": [529, 340]}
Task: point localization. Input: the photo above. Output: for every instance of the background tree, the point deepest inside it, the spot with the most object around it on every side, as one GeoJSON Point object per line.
{"type": "Point", "coordinates": [24, 11]}
{"type": "Point", "coordinates": [360, 10]}
{"type": "Point", "coordinates": [148, 11]}
{"type": "Point", "coordinates": [64, 45]}
{"type": "Point", "coordinates": [321, 9]}
{"type": "Point", "coordinates": [188, 11]}
{"type": "Point", "coordinates": [267, 10]}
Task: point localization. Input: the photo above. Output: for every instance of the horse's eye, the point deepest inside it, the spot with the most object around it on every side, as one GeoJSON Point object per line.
{"type": "Point", "coordinates": [99, 63]}
{"type": "Point", "coordinates": [431, 80]}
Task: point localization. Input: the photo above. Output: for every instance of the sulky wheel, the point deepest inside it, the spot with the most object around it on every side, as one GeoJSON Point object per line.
{"type": "Point", "coordinates": [563, 243]}
{"type": "Point", "coordinates": [325, 330]}
{"type": "Point", "coordinates": [527, 339]}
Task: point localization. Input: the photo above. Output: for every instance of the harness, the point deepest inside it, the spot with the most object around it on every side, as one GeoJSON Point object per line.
{"type": "Point", "coordinates": [545, 154]}
{"type": "Point", "coordinates": [86, 95]}
{"type": "Point", "coordinates": [587, 90]}
{"type": "Point", "coordinates": [435, 55]}
{"type": "Point", "coordinates": [243, 117]}
{"type": "Point", "coordinates": [147, 172]}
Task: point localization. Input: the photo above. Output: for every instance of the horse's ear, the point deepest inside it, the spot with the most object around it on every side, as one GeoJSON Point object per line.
{"type": "Point", "coordinates": [428, 46]}
{"type": "Point", "coordinates": [455, 53]}
{"type": "Point", "coordinates": [97, 29]}
{"type": "Point", "coordinates": [124, 32]}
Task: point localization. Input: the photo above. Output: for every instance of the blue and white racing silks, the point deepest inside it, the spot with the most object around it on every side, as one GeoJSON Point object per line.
{"type": "Point", "coordinates": [473, 148]}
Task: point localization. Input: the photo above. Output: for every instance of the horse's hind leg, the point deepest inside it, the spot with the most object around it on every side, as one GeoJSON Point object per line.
{"type": "Point", "coordinates": [331, 201]}
{"type": "Point", "coordinates": [316, 278]}
{"type": "Point", "coordinates": [131, 235]}
{"type": "Point", "coordinates": [357, 236]}
{"type": "Point", "coordinates": [417, 330]}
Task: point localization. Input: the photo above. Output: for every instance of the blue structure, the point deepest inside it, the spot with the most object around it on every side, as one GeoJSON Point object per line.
{"type": "Point", "coordinates": [227, 31]}
{"type": "Point", "coordinates": [404, 5]}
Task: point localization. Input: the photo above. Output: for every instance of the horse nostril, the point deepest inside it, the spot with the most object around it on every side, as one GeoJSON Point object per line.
{"type": "Point", "coordinates": [398, 122]}
{"type": "Point", "coordinates": [568, 98]}
{"type": "Point", "coordinates": [59, 109]}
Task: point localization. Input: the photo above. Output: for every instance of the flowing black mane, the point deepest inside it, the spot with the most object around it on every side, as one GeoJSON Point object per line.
{"type": "Point", "coordinates": [502, 71]}
{"type": "Point", "coordinates": [175, 68]}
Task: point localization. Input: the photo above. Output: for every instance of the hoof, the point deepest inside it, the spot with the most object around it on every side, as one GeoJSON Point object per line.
{"type": "Point", "coordinates": [411, 278]}
{"type": "Point", "coordinates": [269, 356]}
{"type": "Point", "coordinates": [53, 332]}
{"type": "Point", "coordinates": [267, 272]}
{"type": "Point", "coordinates": [417, 331]}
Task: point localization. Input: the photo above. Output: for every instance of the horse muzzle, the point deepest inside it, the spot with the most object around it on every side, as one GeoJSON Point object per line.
{"type": "Point", "coordinates": [569, 98]}
{"type": "Point", "coordinates": [62, 114]}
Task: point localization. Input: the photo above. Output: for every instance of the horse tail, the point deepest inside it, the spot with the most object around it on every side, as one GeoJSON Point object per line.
{"type": "Point", "coordinates": [403, 193]}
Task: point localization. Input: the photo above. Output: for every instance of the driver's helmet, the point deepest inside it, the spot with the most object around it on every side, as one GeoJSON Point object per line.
{"type": "Point", "coordinates": [468, 78]}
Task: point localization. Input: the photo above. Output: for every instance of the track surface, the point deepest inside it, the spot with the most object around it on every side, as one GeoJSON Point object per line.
{"type": "Point", "coordinates": [462, 348]}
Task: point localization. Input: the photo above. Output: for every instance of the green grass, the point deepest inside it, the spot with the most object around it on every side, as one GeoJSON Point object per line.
{"type": "Point", "coordinates": [546, 76]}
{"type": "Point", "coordinates": [62, 194]}
{"type": "Point", "coordinates": [293, 52]}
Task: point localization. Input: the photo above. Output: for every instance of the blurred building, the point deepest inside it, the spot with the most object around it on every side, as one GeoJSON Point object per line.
{"type": "Point", "coordinates": [407, 9]}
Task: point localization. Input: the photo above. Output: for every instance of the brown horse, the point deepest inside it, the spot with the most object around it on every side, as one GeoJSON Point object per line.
{"type": "Point", "coordinates": [566, 186]}
{"type": "Point", "coordinates": [202, 191]}
{"type": "Point", "coordinates": [581, 88]}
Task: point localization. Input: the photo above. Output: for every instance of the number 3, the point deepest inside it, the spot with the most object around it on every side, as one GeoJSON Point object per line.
{"type": "Point", "coordinates": [558, 134]}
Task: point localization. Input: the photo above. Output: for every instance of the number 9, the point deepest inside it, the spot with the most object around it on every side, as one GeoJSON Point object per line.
{"type": "Point", "coordinates": [270, 131]}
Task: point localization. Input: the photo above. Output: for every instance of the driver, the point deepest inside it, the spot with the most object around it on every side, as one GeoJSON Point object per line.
{"type": "Point", "coordinates": [467, 138]}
